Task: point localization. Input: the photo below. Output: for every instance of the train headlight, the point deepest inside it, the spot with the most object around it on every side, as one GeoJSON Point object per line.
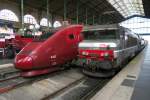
{"type": "Point", "coordinates": [102, 54]}
{"type": "Point", "coordinates": [85, 53]}
{"type": "Point", "coordinates": [106, 54]}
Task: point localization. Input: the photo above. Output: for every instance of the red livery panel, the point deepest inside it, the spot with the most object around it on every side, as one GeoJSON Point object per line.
{"type": "Point", "coordinates": [19, 42]}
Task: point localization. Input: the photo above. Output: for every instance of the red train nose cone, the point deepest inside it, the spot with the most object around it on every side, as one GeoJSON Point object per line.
{"type": "Point", "coordinates": [23, 62]}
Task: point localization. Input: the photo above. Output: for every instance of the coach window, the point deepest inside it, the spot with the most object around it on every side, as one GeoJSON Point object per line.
{"type": "Point", "coordinates": [71, 36]}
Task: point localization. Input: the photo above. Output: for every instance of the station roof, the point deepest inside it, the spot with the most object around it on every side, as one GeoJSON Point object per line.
{"type": "Point", "coordinates": [113, 11]}
{"type": "Point", "coordinates": [128, 8]}
{"type": "Point", "coordinates": [146, 4]}
{"type": "Point", "coordinates": [101, 27]}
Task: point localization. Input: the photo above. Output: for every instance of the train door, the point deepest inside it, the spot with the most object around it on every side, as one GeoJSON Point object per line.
{"type": "Point", "coordinates": [122, 39]}
{"type": "Point", "coordinates": [122, 45]}
{"type": "Point", "coordinates": [68, 42]}
{"type": "Point", "coordinates": [73, 38]}
{"type": "Point", "coordinates": [72, 41]}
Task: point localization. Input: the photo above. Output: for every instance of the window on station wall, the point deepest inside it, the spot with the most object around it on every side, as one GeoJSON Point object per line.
{"type": "Point", "coordinates": [44, 22]}
{"type": "Point", "coordinates": [138, 25]}
{"type": "Point", "coordinates": [6, 14]}
{"type": "Point", "coordinates": [29, 19]}
{"type": "Point", "coordinates": [57, 24]}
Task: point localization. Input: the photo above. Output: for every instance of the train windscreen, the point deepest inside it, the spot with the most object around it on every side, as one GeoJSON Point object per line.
{"type": "Point", "coordinates": [99, 34]}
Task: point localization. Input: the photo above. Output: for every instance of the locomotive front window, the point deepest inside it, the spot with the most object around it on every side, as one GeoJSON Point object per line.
{"type": "Point", "coordinates": [100, 34]}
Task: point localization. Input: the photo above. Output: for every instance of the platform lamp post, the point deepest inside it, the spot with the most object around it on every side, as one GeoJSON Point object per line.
{"type": "Point", "coordinates": [48, 14]}
{"type": "Point", "coordinates": [65, 10]}
{"type": "Point", "coordinates": [52, 19]}
{"type": "Point", "coordinates": [22, 16]}
{"type": "Point", "coordinates": [77, 12]}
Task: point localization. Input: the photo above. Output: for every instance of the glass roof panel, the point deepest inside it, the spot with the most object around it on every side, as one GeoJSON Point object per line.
{"type": "Point", "coordinates": [6, 14]}
{"type": "Point", "coordinates": [130, 7]}
{"type": "Point", "coordinates": [137, 24]}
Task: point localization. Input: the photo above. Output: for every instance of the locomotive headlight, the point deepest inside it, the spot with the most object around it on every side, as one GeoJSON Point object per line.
{"type": "Point", "coordinates": [102, 54]}
{"type": "Point", "coordinates": [85, 53]}
{"type": "Point", "coordinates": [106, 54]}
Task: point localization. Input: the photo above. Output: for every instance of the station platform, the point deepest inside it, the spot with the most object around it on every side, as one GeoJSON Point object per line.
{"type": "Point", "coordinates": [6, 63]}
{"type": "Point", "coordinates": [131, 83]}
{"type": "Point", "coordinates": [142, 86]}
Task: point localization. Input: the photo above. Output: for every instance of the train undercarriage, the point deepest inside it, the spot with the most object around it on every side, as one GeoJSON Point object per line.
{"type": "Point", "coordinates": [97, 68]}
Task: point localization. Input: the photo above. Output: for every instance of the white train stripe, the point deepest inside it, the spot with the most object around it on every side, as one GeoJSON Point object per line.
{"type": "Point", "coordinates": [96, 44]}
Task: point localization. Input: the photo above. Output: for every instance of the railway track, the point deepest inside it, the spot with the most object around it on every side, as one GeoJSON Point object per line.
{"type": "Point", "coordinates": [8, 73]}
{"type": "Point", "coordinates": [63, 89]}
{"type": "Point", "coordinates": [82, 89]}
{"type": "Point", "coordinates": [11, 78]}
{"type": "Point", "coordinates": [11, 83]}
{"type": "Point", "coordinates": [94, 90]}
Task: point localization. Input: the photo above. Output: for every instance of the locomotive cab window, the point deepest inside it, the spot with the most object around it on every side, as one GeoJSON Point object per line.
{"type": "Point", "coordinates": [71, 36]}
{"type": "Point", "coordinates": [100, 34]}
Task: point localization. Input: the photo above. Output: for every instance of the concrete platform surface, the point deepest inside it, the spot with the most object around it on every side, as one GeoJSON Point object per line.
{"type": "Point", "coordinates": [6, 63]}
{"type": "Point", "coordinates": [142, 86]}
{"type": "Point", "coordinates": [122, 85]}
{"type": "Point", "coordinates": [6, 66]}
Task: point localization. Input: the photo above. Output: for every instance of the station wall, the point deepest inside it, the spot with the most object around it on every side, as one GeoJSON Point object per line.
{"type": "Point", "coordinates": [16, 8]}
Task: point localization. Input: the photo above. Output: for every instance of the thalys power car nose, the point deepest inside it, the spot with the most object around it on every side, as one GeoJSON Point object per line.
{"type": "Point", "coordinates": [23, 62]}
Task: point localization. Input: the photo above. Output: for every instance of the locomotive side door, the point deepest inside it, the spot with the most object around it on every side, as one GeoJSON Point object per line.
{"type": "Point", "coordinates": [122, 45]}
{"type": "Point", "coordinates": [72, 42]}
{"type": "Point", "coordinates": [68, 43]}
{"type": "Point", "coordinates": [122, 39]}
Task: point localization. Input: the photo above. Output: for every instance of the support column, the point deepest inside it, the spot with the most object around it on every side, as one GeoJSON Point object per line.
{"type": "Point", "coordinates": [77, 12]}
{"type": "Point", "coordinates": [65, 10]}
{"type": "Point", "coordinates": [52, 19]}
{"type": "Point", "coordinates": [47, 13]}
{"type": "Point", "coordinates": [39, 16]}
{"type": "Point", "coordinates": [99, 19]}
{"type": "Point", "coordinates": [22, 16]}
{"type": "Point", "coordinates": [93, 19]}
{"type": "Point", "coordinates": [86, 17]}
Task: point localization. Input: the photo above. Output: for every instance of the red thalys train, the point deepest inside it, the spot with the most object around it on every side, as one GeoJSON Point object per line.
{"type": "Point", "coordinates": [50, 51]}
{"type": "Point", "coordinates": [10, 46]}
{"type": "Point", "coordinates": [106, 47]}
